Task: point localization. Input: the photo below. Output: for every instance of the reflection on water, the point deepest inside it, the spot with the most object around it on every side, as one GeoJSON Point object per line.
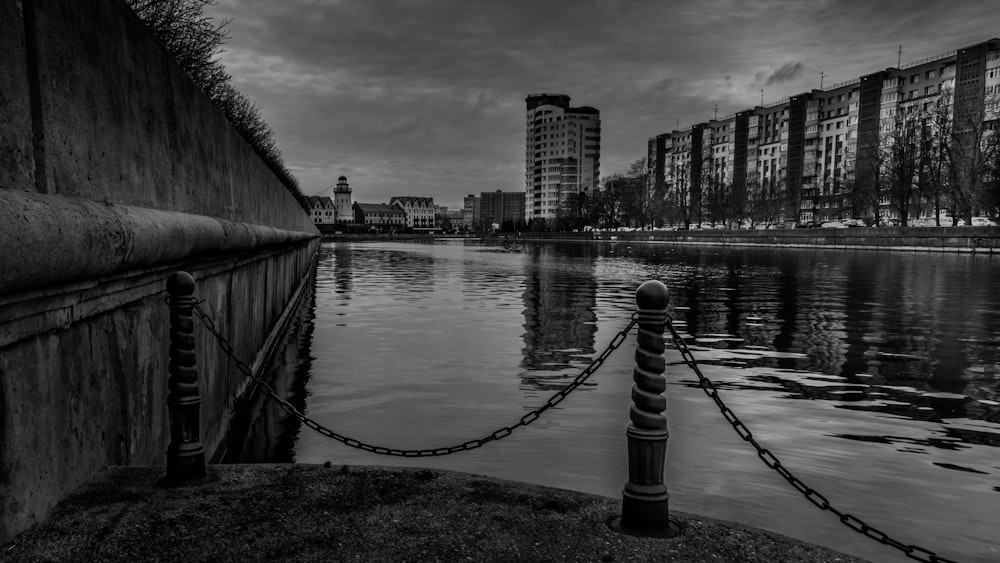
{"type": "Point", "coordinates": [560, 320]}
{"type": "Point", "coordinates": [872, 375]}
{"type": "Point", "coordinates": [911, 335]}
{"type": "Point", "coordinates": [259, 430]}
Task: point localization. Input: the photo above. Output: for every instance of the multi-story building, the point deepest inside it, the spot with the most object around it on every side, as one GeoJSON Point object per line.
{"type": "Point", "coordinates": [380, 216]}
{"type": "Point", "coordinates": [419, 210]}
{"type": "Point", "coordinates": [499, 206]}
{"type": "Point", "coordinates": [451, 221]}
{"type": "Point", "coordinates": [322, 209]}
{"type": "Point", "coordinates": [821, 155]}
{"type": "Point", "coordinates": [562, 154]}
{"type": "Point", "coordinates": [470, 212]}
{"type": "Point", "coordinates": [718, 142]}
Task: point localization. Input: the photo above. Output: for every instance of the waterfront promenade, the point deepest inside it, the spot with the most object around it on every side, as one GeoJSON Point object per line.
{"type": "Point", "coordinates": [269, 512]}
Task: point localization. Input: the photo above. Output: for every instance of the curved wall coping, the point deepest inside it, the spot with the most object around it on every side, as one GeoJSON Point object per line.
{"type": "Point", "coordinates": [48, 239]}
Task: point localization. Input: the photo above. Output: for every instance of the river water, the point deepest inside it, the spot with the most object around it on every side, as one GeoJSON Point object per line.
{"type": "Point", "coordinates": [873, 376]}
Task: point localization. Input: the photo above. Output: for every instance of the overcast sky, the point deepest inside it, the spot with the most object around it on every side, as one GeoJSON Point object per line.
{"type": "Point", "coordinates": [426, 97]}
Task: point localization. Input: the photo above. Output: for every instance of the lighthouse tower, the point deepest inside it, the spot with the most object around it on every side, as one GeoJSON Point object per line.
{"type": "Point", "coordinates": [342, 201]}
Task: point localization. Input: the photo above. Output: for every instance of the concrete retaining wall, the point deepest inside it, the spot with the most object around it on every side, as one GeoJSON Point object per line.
{"type": "Point", "coordinates": [941, 239]}
{"type": "Point", "coordinates": [116, 170]}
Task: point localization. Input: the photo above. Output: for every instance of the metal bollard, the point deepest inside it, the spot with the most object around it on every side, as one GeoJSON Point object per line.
{"type": "Point", "coordinates": [645, 498]}
{"type": "Point", "coordinates": [185, 454]}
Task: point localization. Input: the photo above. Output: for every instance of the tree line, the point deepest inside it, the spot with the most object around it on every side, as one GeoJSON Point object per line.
{"type": "Point", "coordinates": [931, 159]}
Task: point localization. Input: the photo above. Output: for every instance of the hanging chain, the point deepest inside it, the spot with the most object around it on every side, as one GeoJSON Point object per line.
{"type": "Point", "coordinates": [812, 495]}
{"type": "Point", "coordinates": [498, 434]}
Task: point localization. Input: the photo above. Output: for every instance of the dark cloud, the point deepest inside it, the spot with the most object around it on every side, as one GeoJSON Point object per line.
{"type": "Point", "coordinates": [408, 96]}
{"type": "Point", "coordinates": [784, 73]}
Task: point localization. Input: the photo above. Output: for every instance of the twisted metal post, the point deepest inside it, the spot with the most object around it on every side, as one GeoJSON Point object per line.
{"type": "Point", "coordinates": [185, 453]}
{"type": "Point", "coordinates": [645, 499]}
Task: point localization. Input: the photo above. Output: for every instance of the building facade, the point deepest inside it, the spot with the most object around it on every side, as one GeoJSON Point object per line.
{"type": "Point", "coordinates": [451, 221]}
{"type": "Point", "coordinates": [562, 154]}
{"type": "Point", "coordinates": [825, 155]}
{"type": "Point", "coordinates": [322, 210]}
{"type": "Point", "coordinates": [419, 210]}
{"type": "Point", "coordinates": [497, 207]}
{"type": "Point", "coordinates": [380, 216]}
{"type": "Point", "coordinates": [470, 212]}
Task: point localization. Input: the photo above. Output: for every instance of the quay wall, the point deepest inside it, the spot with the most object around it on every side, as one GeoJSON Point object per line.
{"type": "Point", "coordinates": [116, 170]}
{"type": "Point", "coordinates": [985, 240]}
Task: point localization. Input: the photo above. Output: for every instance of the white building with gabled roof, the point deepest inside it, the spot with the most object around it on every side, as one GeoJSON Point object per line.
{"type": "Point", "coordinates": [419, 210]}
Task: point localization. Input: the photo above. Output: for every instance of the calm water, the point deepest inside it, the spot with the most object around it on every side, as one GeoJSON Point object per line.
{"type": "Point", "coordinates": [873, 376]}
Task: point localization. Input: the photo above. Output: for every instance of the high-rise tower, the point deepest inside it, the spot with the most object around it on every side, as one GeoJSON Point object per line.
{"type": "Point", "coordinates": [342, 201]}
{"type": "Point", "coordinates": [562, 154]}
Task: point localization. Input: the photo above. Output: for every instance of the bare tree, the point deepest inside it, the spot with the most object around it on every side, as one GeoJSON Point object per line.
{"type": "Point", "coordinates": [611, 205]}
{"type": "Point", "coordinates": [935, 176]}
{"type": "Point", "coordinates": [903, 152]}
{"type": "Point", "coordinates": [678, 195]}
{"type": "Point", "coordinates": [195, 41]}
{"type": "Point", "coordinates": [869, 182]}
{"type": "Point", "coordinates": [640, 197]}
{"type": "Point", "coordinates": [990, 197]}
{"type": "Point", "coordinates": [971, 149]}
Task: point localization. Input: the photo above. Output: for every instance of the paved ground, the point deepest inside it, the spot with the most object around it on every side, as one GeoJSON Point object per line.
{"type": "Point", "coordinates": [362, 513]}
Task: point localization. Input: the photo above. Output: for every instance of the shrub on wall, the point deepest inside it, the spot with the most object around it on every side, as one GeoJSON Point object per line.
{"type": "Point", "coordinates": [195, 41]}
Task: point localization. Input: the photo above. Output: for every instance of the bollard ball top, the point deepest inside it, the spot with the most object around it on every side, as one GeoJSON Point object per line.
{"type": "Point", "coordinates": [180, 283]}
{"type": "Point", "coordinates": [652, 294]}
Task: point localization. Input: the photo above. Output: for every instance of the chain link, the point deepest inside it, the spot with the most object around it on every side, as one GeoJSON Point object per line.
{"type": "Point", "coordinates": [769, 459]}
{"type": "Point", "coordinates": [498, 434]}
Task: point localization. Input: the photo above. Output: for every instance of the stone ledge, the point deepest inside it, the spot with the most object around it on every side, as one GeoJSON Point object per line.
{"type": "Point", "coordinates": [51, 239]}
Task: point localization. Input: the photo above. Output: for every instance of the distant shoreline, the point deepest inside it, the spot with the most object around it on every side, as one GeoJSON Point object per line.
{"type": "Point", "coordinates": [975, 240]}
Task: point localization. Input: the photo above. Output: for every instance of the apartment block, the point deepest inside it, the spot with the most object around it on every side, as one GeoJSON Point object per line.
{"type": "Point", "coordinates": [817, 156]}
{"type": "Point", "coordinates": [499, 206]}
{"type": "Point", "coordinates": [470, 211]}
{"type": "Point", "coordinates": [562, 153]}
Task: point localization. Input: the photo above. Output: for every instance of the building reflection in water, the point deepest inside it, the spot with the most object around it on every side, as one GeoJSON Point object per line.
{"type": "Point", "coordinates": [560, 321]}
{"type": "Point", "coordinates": [335, 261]}
{"type": "Point", "coordinates": [880, 331]}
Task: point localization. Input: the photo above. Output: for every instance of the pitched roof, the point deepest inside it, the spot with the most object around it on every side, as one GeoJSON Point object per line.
{"type": "Point", "coordinates": [412, 200]}
{"type": "Point", "coordinates": [320, 202]}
